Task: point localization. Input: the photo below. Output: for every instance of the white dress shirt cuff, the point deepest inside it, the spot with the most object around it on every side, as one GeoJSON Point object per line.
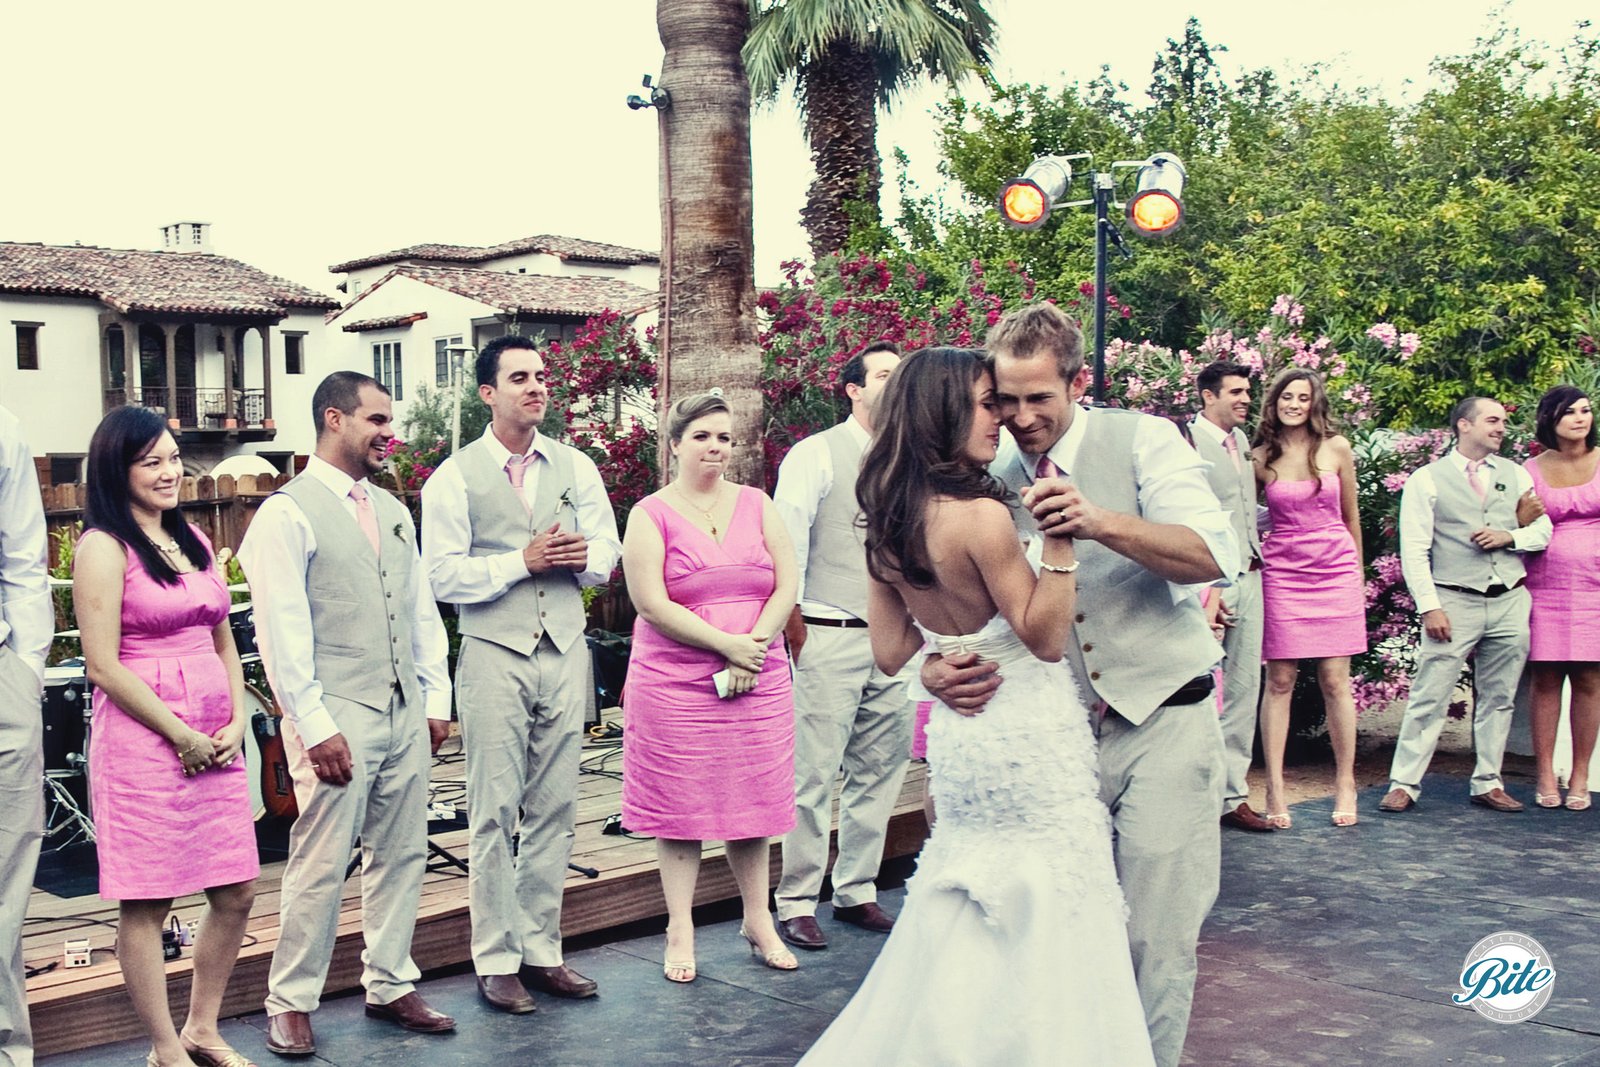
{"type": "Point", "coordinates": [438, 705]}
{"type": "Point", "coordinates": [508, 568]}
{"type": "Point", "coordinates": [316, 726]}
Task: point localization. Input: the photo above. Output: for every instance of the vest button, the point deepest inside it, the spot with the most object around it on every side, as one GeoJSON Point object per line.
{"type": "Point", "coordinates": [1081, 616]}
{"type": "Point", "coordinates": [541, 592]}
{"type": "Point", "coordinates": [391, 618]}
{"type": "Point", "coordinates": [1094, 676]}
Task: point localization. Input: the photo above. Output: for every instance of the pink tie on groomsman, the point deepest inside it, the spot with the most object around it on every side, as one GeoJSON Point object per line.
{"type": "Point", "coordinates": [1473, 467]}
{"type": "Point", "coordinates": [367, 517]}
{"type": "Point", "coordinates": [1232, 447]}
{"type": "Point", "coordinates": [517, 472]}
{"type": "Point", "coordinates": [1046, 469]}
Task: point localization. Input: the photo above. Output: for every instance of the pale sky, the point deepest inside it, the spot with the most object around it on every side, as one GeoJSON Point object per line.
{"type": "Point", "coordinates": [313, 132]}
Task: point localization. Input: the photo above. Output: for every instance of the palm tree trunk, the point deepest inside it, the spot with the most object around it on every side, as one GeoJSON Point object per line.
{"type": "Point", "coordinates": [708, 332]}
{"type": "Point", "coordinates": [840, 103]}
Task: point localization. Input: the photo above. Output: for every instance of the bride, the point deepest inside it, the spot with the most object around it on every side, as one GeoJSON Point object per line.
{"type": "Point", "coordinates": [1011, 948]}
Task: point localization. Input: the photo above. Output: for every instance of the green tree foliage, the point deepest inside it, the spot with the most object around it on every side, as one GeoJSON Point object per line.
{"type": "Point", "coordinates": [1469, 217]}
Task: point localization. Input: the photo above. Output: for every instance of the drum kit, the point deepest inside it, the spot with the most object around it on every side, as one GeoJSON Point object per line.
{"type": "Point", "coordinates": [69, 725]}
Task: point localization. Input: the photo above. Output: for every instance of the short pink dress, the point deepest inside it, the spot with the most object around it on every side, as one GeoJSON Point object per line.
{"type": "Point", "coordinates": [159, 834]}
{"type": "Point", "coordinates": [1313, 596]}
{"type": "Point", "coordinates": [1564, 579]}
{"type": "Point", "coordinates": [696, 767]}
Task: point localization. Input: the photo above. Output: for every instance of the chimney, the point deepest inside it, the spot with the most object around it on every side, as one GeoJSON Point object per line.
{"type": "Point", "coordinates": [186, 237]}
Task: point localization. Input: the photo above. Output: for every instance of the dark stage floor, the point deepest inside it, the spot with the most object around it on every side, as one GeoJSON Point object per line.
{"type": "Point", "coordinates": [1328, 946]}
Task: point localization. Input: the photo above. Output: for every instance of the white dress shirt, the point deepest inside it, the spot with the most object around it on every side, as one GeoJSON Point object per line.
{"type": "Point", "coordinates": [1416, 524]}
{"type": "Point", "coordinates": [275, 555]}
{"type": "Point", "coordinates": [1172, 489]}
{"type": "Point", "coordinates": [458, 577]}
{"type": "Point", "coordinates": [805, 478]}
{"type": "Point", "coordinates": [27, 615]}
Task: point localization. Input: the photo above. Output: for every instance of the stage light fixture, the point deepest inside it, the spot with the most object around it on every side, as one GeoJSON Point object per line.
{"type": "Point", "coordinates": [1025, 202]}
{"type": "Point", "coordinates": [1156, 209]}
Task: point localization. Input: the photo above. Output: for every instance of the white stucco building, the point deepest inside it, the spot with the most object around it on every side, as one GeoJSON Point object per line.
{"type": "Point", "coordinates": [228, 352]}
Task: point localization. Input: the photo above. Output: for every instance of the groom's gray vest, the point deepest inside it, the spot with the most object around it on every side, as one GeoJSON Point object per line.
{"type": "Point", "coordinates": [1235, 488]}
{"type": "Point", "coordinates": [361, 607]}
{"type": "Point", "coordinates": [543, 603]}
{"type": "Point", "coordinates": [1457, 513]}
{"type": "Point", "coordinates": [1131, 645]}
{"type": "Point", "coordinates": [836, 565]}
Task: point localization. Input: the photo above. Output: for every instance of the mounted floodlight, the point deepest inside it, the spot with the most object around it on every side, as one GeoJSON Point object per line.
{"type": "Point", "coordinates": [1156, 209]}
{"type": "Point", "coordinates": [1025, 202]}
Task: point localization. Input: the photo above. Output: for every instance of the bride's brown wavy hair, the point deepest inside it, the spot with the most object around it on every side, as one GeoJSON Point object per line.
{"type": "Point", "coordinates": [1319, 420]}
{"type": "Point", "coordinates": [921, 425]}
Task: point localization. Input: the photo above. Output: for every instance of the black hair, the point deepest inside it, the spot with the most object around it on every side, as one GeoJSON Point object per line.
{"type": "Point", "coordinates": [854, 371]}
{"type": "Point", "coordinates": [123, 438]}
{"type": "Point", "coordinates": [340, 390]}
{"type": "Point", "coordinates": [1466, 410]}
{"type": "Point", "coordinates": [1553, 407]}
{"type": "Point", "coordinates": [1209, 380]}
{"type": "Point", "coordinates": [923, 420]}
{"type": "Point", "coordinates": [487, 366]}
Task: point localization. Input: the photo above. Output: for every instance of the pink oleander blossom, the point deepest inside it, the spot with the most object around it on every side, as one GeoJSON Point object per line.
{"type": "Point", "coordinates": [1383, 333]}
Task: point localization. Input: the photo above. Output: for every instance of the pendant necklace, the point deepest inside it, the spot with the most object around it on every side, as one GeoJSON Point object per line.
{"type": "Point", "coordinates": [710, 519]}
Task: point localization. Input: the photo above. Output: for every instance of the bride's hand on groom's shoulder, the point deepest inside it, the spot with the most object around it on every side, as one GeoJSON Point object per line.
{"type": "Point", "coordinates": [961, 682]}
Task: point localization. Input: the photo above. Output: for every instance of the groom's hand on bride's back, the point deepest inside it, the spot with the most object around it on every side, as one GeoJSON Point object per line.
{"type": "Point", "coordinates": [961, 682]}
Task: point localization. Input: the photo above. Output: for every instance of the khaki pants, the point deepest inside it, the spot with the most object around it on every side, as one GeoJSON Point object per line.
{"type": "Point", "coordinates": [385, 806]}
{"type": "Point", "coordinates": [22, 801]}
{"type": "Point", "coordinates": [851, 716]}
{"type": "Point", "coordinates": [522, 729]}
{"type": "Point", "coordinates": [1241, 687]}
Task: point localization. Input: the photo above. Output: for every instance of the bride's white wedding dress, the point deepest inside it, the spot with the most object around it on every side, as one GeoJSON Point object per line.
{"type": "Point", "coordinates": [1012, 947]}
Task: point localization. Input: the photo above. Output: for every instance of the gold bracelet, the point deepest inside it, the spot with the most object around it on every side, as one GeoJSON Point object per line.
{"type": "Point", "coordinates": [1053, 569]}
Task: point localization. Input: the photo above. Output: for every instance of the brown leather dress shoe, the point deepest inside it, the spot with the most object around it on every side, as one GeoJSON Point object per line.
{"type": "Point", "coordinates": [289, 1034]}
{"type": "Point", "coordinates": [1497, 799]}
{"type": "Point", "coordinates": [413, 1013]}
{"type": "Point", "coordinates": [868, 916]}
{"type": "Point", "coordinates": [504, 992]}
{"type": "Point", "coordinates": [1243, 818]}
{"type": "Point", "coordinates": [560, 981]}
{"type": "Point", "coordinates": [802, 931]}
{"type": "Point", "coordinates": [1396, 800]}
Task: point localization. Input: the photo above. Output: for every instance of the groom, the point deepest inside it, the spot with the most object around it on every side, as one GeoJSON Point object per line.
{"type": "Point", "coordinates": [1148, 529]}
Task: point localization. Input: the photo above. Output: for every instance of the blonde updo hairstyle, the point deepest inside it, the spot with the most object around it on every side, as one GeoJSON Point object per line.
{"type": "Point", "coordinates": [683, 413]}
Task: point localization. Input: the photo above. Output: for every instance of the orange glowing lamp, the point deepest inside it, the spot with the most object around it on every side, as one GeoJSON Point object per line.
{"type": "Point", "coordinates": [1025, 202]}
{"type": "Point", "coordinates": [1156, 209]}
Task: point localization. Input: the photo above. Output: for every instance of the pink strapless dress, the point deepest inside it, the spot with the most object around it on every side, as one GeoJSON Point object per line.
{"type": "Point", "coordinates": [696, 767]}
{"type": "Point", "coordinates": [1564, 579]}
{"type": "Point", "coordinates": [1312, 592]}
{"type": "Point", "coordinates": [160, 834]}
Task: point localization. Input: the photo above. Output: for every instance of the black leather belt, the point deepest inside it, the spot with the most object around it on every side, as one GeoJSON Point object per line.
{"type": "Point", "coordinates": [1493, 591]}
{"type": "Point", "coordinates": [843, 624]}
{"type": "Point", "coordinates": [1255, 564]}
{"type": "Point", "coordinates": [1193, 691]}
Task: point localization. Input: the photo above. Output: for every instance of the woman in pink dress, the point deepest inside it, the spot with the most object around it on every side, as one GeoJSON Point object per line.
{"type": "Point", "coordinates": [1313, 595]}
{"type": "Point", "coordinates": [170, 795]}
{"type": "Point", "coordinates": [1564, 581]}
{"type": "Point", "coordinates": [708, 748]}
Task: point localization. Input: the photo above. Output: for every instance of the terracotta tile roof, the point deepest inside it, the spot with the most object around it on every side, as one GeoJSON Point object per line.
{"type": "Point", "coordinates": [532, 294]}
{"type": "Point", "coordinates": [389, 323]}
{"type": "Point", "coordinates": [133, 281]}
{"type": "Point", "coordinates": [563, 247]}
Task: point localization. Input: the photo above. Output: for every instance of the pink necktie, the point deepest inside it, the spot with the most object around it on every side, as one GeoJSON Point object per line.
{"type": "Point", "coordinates": [365, 516]}
{"type": "Point", "coordinates": [1045, 469]}
{"type": "Point", "coordinates": [1232, 447]}
{"type": "Point", "coordinates": [1473, 466]}
{"type": "Point", "coordinates": [517, 471]}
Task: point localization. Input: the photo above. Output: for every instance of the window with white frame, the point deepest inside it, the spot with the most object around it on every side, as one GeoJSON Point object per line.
{"type": "Point", "coordinates": [386, 366]}
{"type": "Point", "coordinates": [27, 344]}
{"type": "Point", "coordinates": [441, 359]}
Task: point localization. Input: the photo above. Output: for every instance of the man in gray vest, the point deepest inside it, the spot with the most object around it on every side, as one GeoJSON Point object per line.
{"type": "Point", "coordinates": [513, 526]}
{"type": "Point", "coordinates": [848, 713]}
{"type": "Point", "coordinates": [1149, 531]}
{"type": "Point", "coordinates": [27, 626]}
{"type": "Point", "coordinates": [1218, 436]}
{"type": "Point", "coordinates": [356, 654]}
{"type": "Point", "coordinates": [1460, 551]}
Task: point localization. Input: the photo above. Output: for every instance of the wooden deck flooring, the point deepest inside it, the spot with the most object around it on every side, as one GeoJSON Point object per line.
{"type": "Point", "coordinates": [82, 1007]}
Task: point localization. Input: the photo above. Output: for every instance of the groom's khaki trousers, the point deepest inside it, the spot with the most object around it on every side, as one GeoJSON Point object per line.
{"type": "Point", "coordinates": [521, 727]}
{"type": "Point", "coordinates": [22, 800]}
{"type": "Point", "coordinates": [1241, 685]}
{"type": "Point", "coordinates": [1163, 782]}
{"type": "Point", "coordinates": [385, 805]}
{"type": "Point", "coordinates": [1497, 628]}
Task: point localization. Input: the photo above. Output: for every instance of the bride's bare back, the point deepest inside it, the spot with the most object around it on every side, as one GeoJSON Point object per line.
{"type": "Point", "coordinates": [959, 601]}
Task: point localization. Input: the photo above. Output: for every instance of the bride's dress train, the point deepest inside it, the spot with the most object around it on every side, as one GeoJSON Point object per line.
{"type": "Point", "coordinates": [1012, 947]}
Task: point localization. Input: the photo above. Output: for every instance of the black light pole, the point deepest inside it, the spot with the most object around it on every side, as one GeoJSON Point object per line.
{"type": "Point", "coordinates": [1102, 230]}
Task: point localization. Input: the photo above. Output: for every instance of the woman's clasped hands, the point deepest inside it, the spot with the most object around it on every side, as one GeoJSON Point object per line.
{"type": "Point", "coordinates": [746, 655]}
